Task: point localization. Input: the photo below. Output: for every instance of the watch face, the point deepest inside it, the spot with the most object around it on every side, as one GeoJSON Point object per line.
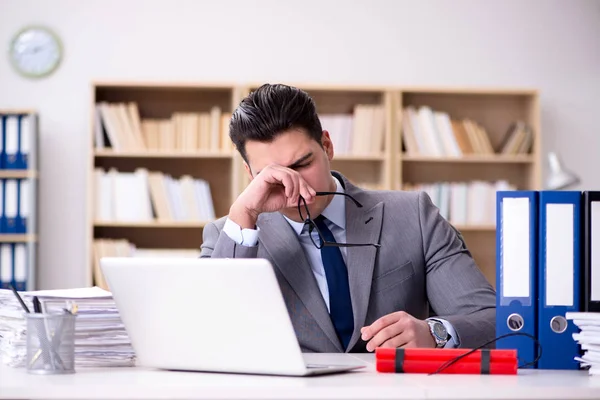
{"type": "Point", "coordinates": [35, 52]}
{"type": "Point", "coordinates": [440, 331]}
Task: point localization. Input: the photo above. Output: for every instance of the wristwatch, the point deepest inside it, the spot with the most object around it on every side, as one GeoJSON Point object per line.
{"type": "Point", "coordinates": [439, 332]}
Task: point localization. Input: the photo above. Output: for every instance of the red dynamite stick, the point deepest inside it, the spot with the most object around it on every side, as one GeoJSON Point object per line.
{"type": "Point", "coordinates": [430, 360]}
{"type": "Point", "coordinates": [444, 354]}
{"type": "Point", "coordinates": [459, 367]}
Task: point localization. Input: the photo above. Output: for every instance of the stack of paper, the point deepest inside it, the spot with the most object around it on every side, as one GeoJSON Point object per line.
{"type": "Point", "coordinates": [100, 336]}
{"type": "Point", "coordinates": [588, 338]}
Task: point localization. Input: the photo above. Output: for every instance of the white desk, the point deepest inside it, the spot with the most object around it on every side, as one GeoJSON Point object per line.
{"type": "Point", "coordinates": [139, 383]}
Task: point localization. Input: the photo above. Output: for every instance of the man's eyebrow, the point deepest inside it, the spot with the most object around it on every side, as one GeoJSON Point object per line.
{"type": "Point", "coordinates": [296, 163]}
{"type": "Point", "coordinates": [299, 161]}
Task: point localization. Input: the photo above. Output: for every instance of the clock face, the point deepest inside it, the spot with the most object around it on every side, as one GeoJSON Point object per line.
{"type": "Point", "coordinates": [440, 331]}
{"type": "Point", "coordinates": [35, 52]}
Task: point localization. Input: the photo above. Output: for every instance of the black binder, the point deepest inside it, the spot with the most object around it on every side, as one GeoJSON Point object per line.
{"type": "Point", "coordinates": [591, 233]}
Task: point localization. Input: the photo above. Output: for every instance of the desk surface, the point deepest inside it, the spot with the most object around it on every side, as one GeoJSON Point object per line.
{"type": "Point", "coordinates": [141, 383]}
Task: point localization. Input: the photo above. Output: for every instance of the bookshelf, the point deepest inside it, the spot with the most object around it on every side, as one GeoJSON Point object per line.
{"type": "Point", "coordinates": [171, 160]}
{"type": "Point", "coordinates": [18, 194]}
{"type": "Point", "coordinates": [374, 145]}
{"type": "Point", "coordinates": [495, 138]}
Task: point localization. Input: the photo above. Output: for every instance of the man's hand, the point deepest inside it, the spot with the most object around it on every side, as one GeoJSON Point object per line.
{"type": "Point", "coordinates": [398, 329]}
{"type": "Point", "coordinates": [273, 189]}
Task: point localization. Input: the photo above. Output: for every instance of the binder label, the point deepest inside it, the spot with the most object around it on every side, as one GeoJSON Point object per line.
{"type": "Point", "coordinates": [559, 254]}
{"type": "Point", "coordinates": [515, 251]}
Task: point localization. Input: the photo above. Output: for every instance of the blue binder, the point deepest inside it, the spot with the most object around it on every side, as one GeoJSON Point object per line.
{"type": "Point", "coordinates": [2, 206]}
{"type": "Point", "coordinates": [12, 128]}
{"type": "Point", "coordinates": [19, 260]}
{"type": "Point", "coordinates": [516, 271]}
{"type": "Point", "coordinates": [2, 140]}
{"type": "Point", "coordinates": [559, 277]}
{"type": "Point", "coordinates": [24, 142]}
{"type": "Point", "coordinates": [7, 265]}
{"type": "Point", "coordinates": [11, 205]}
{"type": "Point", "coordinates": [22, 205]}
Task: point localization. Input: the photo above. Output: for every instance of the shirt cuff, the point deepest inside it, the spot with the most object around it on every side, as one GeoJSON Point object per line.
{"type": "Point", "coordinates": [245, 237]}
{"type": "Point", "coordinates": [454, 341]}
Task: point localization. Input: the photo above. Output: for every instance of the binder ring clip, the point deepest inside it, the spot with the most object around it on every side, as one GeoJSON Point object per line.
{"type": "Point", "coordinates": [558, 324]}
{"type": "Point", "coordinates": [515, 322]}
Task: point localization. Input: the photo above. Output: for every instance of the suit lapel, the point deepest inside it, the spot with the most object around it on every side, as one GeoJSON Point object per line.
{"type": "Point", "coordinates": [280, 241]}
{"type": "Point", "coordinates": [363, 225]}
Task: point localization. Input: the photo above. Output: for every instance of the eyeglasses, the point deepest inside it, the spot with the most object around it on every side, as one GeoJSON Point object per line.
{"type": "Point", "coordinates": [313, 226]}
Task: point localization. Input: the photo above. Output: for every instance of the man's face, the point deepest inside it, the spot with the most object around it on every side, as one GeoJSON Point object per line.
{"type": "Point", "coordinates": [296, 150]}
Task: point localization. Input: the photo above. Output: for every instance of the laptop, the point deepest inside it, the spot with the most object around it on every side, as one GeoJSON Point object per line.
{"type": "Point", "coordinates": [212, 315]}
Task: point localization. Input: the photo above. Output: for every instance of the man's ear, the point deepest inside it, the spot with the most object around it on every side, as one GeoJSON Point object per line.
{"type": "Point", "coordinates": [327, 144]}
{"type": "Point", "coordinates": [248, 171]}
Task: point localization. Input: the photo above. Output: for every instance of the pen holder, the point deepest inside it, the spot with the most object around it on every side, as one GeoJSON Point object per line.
{"type": "Point", "coordinates": [50, 343]}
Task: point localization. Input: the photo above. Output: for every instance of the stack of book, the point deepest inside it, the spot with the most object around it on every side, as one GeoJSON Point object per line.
{"type": "Point", "coordinates": [360, 133]}
{"type": "Point", "coordinates": [588, 338]}
{"type": "Point", "coordinates": [146, 196]}
{"type": "Point", "coordinates": [118, 126]}
{"type": "Point", "coordinates": [470, 203]}
{"type": "Point", "coordinates": [429, 132]}
{"type": "Point", "coordinates": [100, 336]}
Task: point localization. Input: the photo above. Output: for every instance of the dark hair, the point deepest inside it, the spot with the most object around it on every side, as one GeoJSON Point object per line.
{"type": "Point", "coordinates": [271, 110]}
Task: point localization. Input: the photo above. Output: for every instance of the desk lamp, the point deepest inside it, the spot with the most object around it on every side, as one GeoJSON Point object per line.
{"type": "Point", "coordinates": [559, 178]}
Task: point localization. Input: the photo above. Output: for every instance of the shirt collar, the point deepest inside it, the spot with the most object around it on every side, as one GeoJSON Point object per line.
{"type": "Point", "coordinates": [335, 211]}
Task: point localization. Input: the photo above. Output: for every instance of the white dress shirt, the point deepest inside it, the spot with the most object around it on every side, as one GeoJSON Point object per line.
{"type": "Point", "coordinates": [335, 214]}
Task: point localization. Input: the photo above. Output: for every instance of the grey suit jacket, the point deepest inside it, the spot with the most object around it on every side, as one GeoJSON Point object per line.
{"type": "Point", "coordinates": [421, 267]}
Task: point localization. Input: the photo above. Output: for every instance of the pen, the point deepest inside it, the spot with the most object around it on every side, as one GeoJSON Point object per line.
{"type": "Point", "coordinates": [19, 298]}
{"type": "Point", "coordinates": [37, 308]}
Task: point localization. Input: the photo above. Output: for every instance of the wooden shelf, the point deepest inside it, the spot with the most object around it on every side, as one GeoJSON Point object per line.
{"type": "Point", "coordinates": [358, 157]}
{"type": "Point", "coordinates": [461, 90]}
{"type": "Point", "coordinates": [480, 159]}
{"type": "Point", "coordinates": [162, 86]}
{"type": "Point", "coordinates": [17, 174]}
{"type": "Point", "coordinates": [160, 154]}
{"type": "Point", "coordinates": [17, 238]}
{"type": "Point", "coordinates": [15, 111]}
{"type": "Point", "coordinates": [151, 225]}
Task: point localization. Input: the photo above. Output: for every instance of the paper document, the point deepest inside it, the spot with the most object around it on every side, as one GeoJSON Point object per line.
{"type": "Point", "coordinates": [100, 336]}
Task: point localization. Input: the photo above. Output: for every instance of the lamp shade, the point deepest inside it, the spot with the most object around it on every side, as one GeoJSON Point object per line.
{"type": "Point", "coordinates": [558, 177]}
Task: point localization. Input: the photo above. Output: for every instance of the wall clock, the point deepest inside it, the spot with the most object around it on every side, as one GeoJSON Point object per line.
{"type": "Point", "coordinates": [35, 52]}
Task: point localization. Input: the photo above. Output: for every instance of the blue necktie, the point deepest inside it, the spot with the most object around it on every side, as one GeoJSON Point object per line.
{"type": "Point", "coordinates": [340, 305]}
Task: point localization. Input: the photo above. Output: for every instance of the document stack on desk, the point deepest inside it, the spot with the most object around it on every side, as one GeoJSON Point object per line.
{"type": "Point", "coordinates": [588, 338]}
{"type": "Point", "coordinates": [100, 336]}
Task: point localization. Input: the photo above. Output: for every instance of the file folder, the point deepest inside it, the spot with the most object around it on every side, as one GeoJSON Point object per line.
{"type": "Point", "coordinates": [559, 277]}
{"type": "Point", "coordinates": [25, 139]}
{"type": "Point", "coordinates": [11, 141]}
{"type": "Point", "coordinates": [591, 251]}
{"type": "Point", "coordinates": [2, 139]}
{"type": "Point", "coordinates": [20, 266]}
{"type": "Point", "coordinates": [23, 207]}
{"type": "Point", "coordinates": [2, 206]}
{"type": "Point", "coordinates": [516, 271]}
{"type": "Point", "coordinates": [11, 205]}
{"type": "Point", "coordinates": [6, 265]}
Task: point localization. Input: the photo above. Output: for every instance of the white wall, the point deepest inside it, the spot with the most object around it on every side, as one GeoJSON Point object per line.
{"type": "Point", "coordinates": [552, 45]}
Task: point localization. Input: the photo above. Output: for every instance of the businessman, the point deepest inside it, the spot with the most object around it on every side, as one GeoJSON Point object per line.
{"type": "Point", "coordinates": [358, 269]}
